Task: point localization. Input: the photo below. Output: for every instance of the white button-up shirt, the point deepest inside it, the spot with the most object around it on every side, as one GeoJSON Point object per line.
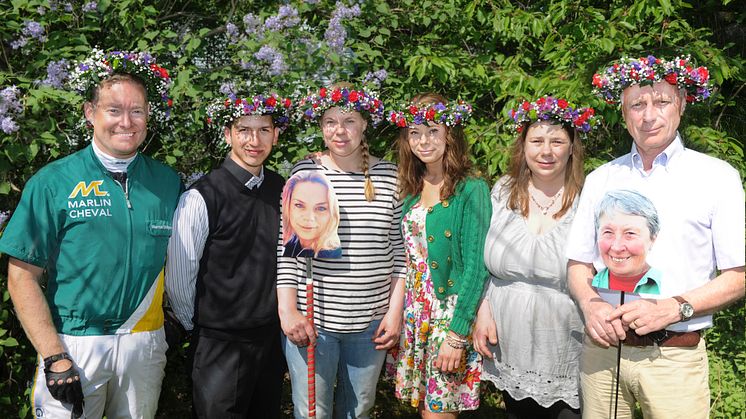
{"type": "Point", "coordinates": [700, 203]}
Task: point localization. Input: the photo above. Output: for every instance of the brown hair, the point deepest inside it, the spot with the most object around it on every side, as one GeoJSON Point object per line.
{"type": "Point", "coordinates": [113, 79]}
{"type": "Point", "coordinates": [370, 189]}
{"type": "Point", "coordinates": [456, 163]}
{"type": "Point", "coordinates": [520, 174]}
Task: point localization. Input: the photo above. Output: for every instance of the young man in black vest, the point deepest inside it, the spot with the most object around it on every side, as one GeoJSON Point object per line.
{"type": "Point", "coordinates": [221, 269]}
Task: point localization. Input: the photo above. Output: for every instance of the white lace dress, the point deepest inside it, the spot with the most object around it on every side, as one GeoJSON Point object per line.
{"type": "Point", "coordinates": [539, 328]}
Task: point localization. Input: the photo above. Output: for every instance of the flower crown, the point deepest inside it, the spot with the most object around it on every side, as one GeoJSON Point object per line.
{"type": "Point", "coordinates": [88, 73]}
{"type": "Point", "coordinates": [439, 113]}
{"type": "Point", "coordinates": [548, 108]}
{"type": "Point", "coordinates": [223, 111]}
{"type": "Point", "coordinates": [648, 70]}
{"type": "Point", "coordinates": [363, 101]}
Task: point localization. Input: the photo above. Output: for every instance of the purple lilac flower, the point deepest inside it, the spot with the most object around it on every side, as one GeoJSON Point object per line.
{"type": "Point", "coordinates": [251, 24]}
{"type": "Point", "coordinates": [68, 7]}
{"type": "Point", "coordinates": [273, 58]}
{"type": "Point", "coordinates": [336, 34]}
{"type": "Point", "coordinates": [91, 6]}
{"type": "Point", "coordinates": [19, 43]}
{"type": "Point", "coordinates": [190, 179]}
{"type": "Point", "coordinates": [56, 73]}
{"type": "Point", "coordinates": [286, 17]}
{"type": "Point", "coordinates": [34, 30]}
{"type": "Point", "coordinates": [41, 10]}
{"type": "Point", "coordinates": [8, 125]}
{"type": "Point", "coordinates": [227, 88]}
{"type": "Point", "coordinates": [53, 5]}
{"type": "Point", "coordinates": [232, 31]}
{"type": "Point", "coordinates": [376, 77]}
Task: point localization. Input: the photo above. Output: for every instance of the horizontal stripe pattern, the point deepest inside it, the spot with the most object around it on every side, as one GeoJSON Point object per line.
{"type": "Point", "coordinates": [352, 291]}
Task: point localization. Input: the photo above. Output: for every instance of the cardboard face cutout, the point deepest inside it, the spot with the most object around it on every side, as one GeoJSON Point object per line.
{"type": "Point", "coordinates": [310, 217]}
{"type": "Point", "coordinates": [627, 225]}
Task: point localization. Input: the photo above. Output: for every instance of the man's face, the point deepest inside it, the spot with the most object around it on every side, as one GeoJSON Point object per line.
{"type": "Point", "coordinates": [652, 114]}
{"type": "Point", "coordinates": [251, 139]}
{"type": "Point", "coordinates": [119, 118]}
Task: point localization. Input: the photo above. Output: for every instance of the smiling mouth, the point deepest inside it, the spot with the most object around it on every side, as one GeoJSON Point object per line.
{"type": "Point", "coordinates": [618, 260]}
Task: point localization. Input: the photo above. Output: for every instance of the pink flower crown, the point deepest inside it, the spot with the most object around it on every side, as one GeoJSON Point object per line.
{"type": "Point", "coordinates": [363, 101]}
{"type": "Point", "coordinates": [648, 70]}
{"type": "Point", "coordinates": [439, 113]}
{"type": "Point", "coordinates": [223, 111]}
{"type": "Point", "coordinates": [88, 73]}
{"type": "Point", "coordinates": [548, 108]}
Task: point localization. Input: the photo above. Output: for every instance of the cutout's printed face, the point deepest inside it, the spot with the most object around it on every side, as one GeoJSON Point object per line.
{"type": "Point", "coordinates": [309, 212]}
{"type": "Point", "coordinates": [624, 241]}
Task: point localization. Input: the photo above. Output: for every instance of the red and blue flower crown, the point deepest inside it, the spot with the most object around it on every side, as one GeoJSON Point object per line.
{"type": "Point", "coordinates": [560, 111]}
{"type": "Point", "coordinates": [610, 84]}
{"type": "Point", "coordinates": [439, 113]}
{"type": "Point", "coordinates": [349, 99]}
{"type": "Point", "coordinates": [88, 73]}
{"type": "Point", "coordinates": [223, 111]}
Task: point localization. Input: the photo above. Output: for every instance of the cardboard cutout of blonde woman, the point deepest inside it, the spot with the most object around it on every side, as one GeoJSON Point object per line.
{"type": "Point", "coordinates": [310, 217]}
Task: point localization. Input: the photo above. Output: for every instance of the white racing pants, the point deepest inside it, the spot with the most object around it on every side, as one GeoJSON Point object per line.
{"type": "Point", "coordinates": [121, 376]}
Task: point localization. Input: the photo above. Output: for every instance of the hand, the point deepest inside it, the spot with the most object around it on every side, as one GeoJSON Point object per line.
{"type": "Point", "coordinates": [449, 358]}
{"type": "Point", "coordinates": [297, 328]}
{"type": "Point", "coordinates": [63, 382]}
{"type": "Point", "coordinates": [484, 331]}
{"type": "Point", "coordinates": [387, 334]}
{"type": "Point", "coordinates": [647, 315]}
{"type": "Point", "coordinates": [599, 326]}
{"type": "Point", "coordinates": [175, 332]}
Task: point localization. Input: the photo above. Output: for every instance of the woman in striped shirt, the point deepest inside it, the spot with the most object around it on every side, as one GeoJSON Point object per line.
{"type": "Point", "coordinates": [358, 298]}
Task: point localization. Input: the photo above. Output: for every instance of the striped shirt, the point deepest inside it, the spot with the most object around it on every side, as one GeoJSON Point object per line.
{"type": "Point", "coordinates": [352, 291]}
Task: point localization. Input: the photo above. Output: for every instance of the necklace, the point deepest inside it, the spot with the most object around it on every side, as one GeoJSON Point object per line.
{"type": "Point", "coordinates": [545, 208]}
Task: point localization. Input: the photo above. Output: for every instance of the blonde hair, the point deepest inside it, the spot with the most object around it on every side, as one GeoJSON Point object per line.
{"type": "Point", "coordinates": [328, 239]}
{"type": "Point", "coordinates": [370, 189]}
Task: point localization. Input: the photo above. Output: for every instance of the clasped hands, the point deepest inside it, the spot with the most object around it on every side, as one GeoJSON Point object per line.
{"type": "Point", "coordinates": [607, 325]}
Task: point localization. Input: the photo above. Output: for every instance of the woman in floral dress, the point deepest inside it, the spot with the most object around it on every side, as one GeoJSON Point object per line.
{"type": "Point", "coordinates": [445, 219]}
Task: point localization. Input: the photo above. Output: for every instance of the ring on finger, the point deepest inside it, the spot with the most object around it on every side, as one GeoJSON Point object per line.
{"type": "Point", "coordinates": [634, 324]}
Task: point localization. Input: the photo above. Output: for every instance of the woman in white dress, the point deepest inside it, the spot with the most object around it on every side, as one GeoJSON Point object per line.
{"type": "Point", "coordinates": [528, 328]}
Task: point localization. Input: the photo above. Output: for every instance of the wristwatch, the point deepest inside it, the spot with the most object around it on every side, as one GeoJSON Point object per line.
{"type": "Point", "coordinates": [686, 310]}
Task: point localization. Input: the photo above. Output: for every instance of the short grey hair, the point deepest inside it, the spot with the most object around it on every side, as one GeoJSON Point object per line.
{"type": "Point", "coordinates": [629, 202]}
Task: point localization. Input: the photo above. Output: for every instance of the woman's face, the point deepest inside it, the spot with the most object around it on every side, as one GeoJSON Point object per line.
{"type": "Point", "coordinates": [427, 142]}
{"type": "Point", "coordinates": [547, 150]}
{"type": "Point", "coordinates": [309, 212]}
{"type": "Point", "coordinates": [624, 241]}
{"type": "Point", "coordinates": [342, 131]}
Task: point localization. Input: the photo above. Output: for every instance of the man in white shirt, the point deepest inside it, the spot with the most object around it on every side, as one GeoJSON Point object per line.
{"type": "Point", "coordinates": [700, 201]}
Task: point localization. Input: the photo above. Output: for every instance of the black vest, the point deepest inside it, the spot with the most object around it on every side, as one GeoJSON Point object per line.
{"type": "Point", "coordinates": [236, 284]}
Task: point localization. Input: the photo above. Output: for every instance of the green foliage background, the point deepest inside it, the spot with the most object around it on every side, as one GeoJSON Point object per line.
{"type": "Point", "coordinates": [491, 53]}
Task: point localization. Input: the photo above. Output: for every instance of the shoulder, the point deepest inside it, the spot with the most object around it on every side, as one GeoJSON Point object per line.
{"type": "Point", "coordinates": [384, 167]}
{"type": "Point", "coordinates": [273, 177]}
{"type": "Point", "coordinates": [165, 173]}
{"type": "Point", "coordinates": [713, 166]}
{"type": "Point", "coordinates": [473, 185]}
{"type": "Point", "coordinates": [305, 164]}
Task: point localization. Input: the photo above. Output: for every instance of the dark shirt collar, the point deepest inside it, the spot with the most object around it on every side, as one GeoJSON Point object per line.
{"type": "Point", "coordinates": [241, 174]}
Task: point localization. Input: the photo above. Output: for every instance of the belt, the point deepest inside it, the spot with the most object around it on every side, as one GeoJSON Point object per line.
{"type": "Point", "coordinates": [663, 338]}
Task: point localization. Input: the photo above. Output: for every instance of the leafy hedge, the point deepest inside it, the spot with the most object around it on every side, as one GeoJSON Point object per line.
{"type": "Point", "coordinates": [490, 53]}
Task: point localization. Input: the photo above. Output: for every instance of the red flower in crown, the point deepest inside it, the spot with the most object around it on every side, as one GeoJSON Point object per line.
{"type": "Point", "coordinates": [227, 103]}
{"type": "Point", "coordinates": [703, 73]}
{"type": "Point", "coordinates": [401, 123]}
{"type": "Point", "coordinates": [170, 103]}
{"type": "Point", "coordinates": [287, 103]}
{"type": "Point", "coordinates": [526, 106]}
{"type": "Point", "coordinates": [336, 95]}
{"type": "Point", "coordinates": [353, 97]}
{"type": "Point", "coordinates": [413, 110]}
{"type": "Point", "coordinates": [562, 103]}
{"type": "Point", "coordinates": [430, 114]}
{"type": "Point", "coordinates": [271, 101]}
{"type": "Point", "coordinates": [322, 92]}
{"type": "Point", "coordinates": [671, 78]}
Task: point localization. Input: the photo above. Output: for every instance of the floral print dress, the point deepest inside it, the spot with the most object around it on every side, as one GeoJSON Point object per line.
{"type": "Point", "coordinates": [426, 320]}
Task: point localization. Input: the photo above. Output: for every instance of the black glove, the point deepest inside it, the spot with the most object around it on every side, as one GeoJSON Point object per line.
{"type": "Point", "coordinates": [65, 385]}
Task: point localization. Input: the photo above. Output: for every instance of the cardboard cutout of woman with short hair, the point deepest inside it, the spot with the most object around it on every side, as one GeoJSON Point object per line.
{"type": "Point", "coordinates": [310, 217]}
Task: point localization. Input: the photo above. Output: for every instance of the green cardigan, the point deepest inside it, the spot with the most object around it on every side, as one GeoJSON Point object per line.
{"type": "Point", "coordinates": [456, 229]}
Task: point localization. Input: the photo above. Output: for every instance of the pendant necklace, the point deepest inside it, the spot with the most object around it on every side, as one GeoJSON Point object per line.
{"type": "Point", "coordinates": [545, 208]}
